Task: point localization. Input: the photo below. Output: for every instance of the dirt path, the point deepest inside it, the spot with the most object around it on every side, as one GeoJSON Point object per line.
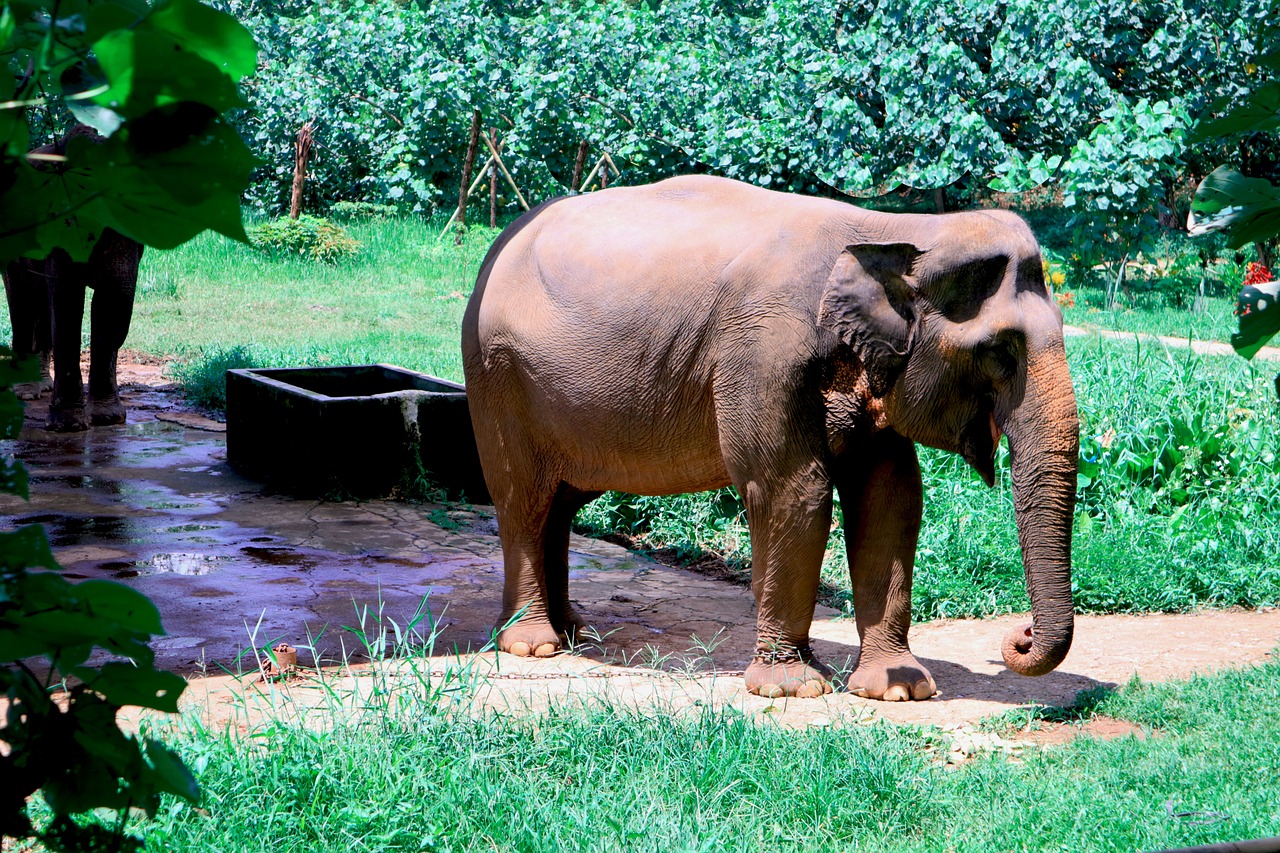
{"type": "Point", "coordinates": [233, 568]}
{"type": "Point", "coordinates": [1202, 347]}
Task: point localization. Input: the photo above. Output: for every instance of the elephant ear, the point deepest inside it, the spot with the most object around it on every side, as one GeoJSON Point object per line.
{"type": "Point", "coordinates": [867, 301]}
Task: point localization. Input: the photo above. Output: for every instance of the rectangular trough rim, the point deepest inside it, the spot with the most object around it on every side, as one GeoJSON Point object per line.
{"type": "Point", "coordinates": [256, 374]}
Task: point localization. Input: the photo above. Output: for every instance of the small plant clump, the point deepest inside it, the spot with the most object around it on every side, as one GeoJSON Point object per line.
{"type": "Point", "coordinates": [308, 236]}
{"type": "Point", "coordinates": [345, 211]}
{"type": "Point", "coordinates": [1257, 273]}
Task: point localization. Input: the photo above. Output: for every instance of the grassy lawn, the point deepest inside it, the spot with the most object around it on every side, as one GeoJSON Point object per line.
{"type": "Point", "coordinates": [426, 778]}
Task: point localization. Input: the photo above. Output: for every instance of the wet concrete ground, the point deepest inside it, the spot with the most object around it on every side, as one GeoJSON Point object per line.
{"type": "Point", "coordinates": [231, 567]}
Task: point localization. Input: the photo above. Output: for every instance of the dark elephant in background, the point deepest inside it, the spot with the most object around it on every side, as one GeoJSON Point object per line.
{"type": "Point", "coordinates": [701, 332]}
{"type": "Point", "coordinates": [46, 309]}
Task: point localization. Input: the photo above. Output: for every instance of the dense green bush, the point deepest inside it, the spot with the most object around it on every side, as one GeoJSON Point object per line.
{"type": "Point", "coordinates": [800, 94]}
{"type": "Point", "coordinates": [307, 236]}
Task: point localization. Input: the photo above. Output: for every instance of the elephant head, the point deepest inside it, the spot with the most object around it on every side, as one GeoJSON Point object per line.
{"type": "Point", "coordinates": [961, 341]}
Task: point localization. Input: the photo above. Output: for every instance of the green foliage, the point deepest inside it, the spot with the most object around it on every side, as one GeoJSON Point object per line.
{"type": "Point", "coordinates": [154, 82]}
{"type": "Point", "coordinates": [347, 210]}
{"type": "Point", "coordinates": [982, 92]}
{"type": "Point", "coordinates": [307, 236]}
{"type": "Point", "coordinates": [204, 377]}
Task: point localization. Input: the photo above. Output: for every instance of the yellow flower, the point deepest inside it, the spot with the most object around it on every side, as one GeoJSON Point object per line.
{"type": "Point", "coordinates": [1058, 278]}
{"type": "Point", "coordinates": [1250, 68]}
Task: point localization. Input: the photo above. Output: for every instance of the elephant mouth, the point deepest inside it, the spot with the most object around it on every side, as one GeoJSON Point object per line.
{"type": "Point", "coordinates": [978, 444]}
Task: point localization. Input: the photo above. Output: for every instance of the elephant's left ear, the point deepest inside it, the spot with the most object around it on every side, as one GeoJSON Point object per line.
{"type": "Point", "coordinates": [869, 302]}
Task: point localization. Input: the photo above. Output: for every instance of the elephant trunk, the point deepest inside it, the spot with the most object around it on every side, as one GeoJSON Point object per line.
{"type": "Point", "coordinates": [1044, 445]}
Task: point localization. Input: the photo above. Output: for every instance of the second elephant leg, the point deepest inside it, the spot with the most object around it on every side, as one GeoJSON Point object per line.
{"type": "Point", "coordinates": [115, 261]}
{"type": "Point", "coordinates": [555, 564]}
{"type": "Point", "coordinates": [882, 501]}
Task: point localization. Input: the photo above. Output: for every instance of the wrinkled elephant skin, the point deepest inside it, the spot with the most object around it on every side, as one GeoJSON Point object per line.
{"type": "Point", "coordinates": [699, 332]}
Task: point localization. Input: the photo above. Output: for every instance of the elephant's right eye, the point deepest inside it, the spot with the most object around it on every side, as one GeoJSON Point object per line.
{"type": "Point", "coordinates": [999, 359]}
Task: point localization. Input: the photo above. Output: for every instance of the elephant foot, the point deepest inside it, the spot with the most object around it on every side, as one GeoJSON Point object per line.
{"type": "Point", "coordinates": [569, 624]}
{"type": "Point", "coordinates": [773, 674]}
{"type": "Point", "coordinates": [71, 419]}
{"type": "Point", "coordinates": [895, 679]}
{"type": "Point", "coordinates": [527, 638]}
{"type": "Point", "coordinates": [29, 390]}
{"type": "Point", "coordinates": [107, 412]}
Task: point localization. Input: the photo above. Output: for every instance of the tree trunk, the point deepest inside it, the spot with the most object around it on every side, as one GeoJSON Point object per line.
{"type": "Point", "coordinates": [939, 199]}
{"type": "Point", "coordinates": [579, 163]}
{"type": "Point", "coordinates": [467, 165]}
{"type": "Point", "coordinates": [301, 153]}
{"type": "Point", "coordinates": [604, 174]}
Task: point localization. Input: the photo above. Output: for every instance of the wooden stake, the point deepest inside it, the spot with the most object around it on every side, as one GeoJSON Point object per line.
{"type": "Point", "coordinates": [480, 176]}
{"type": "Point", "coordinates": [466, 173]}
{"type": "Point", "coordinates": [301, 152]}
{"type": "Point", "coordinates": [493, 183]}
{"type": "Point", "coordinates": [579, 162]}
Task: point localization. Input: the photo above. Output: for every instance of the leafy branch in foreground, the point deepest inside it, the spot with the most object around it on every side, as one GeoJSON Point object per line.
{"type": "Point", "coordinates": [154, 81]}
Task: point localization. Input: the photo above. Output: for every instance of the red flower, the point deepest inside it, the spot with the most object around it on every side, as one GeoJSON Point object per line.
{"type": "Point", "coordinates": [1256, 273]}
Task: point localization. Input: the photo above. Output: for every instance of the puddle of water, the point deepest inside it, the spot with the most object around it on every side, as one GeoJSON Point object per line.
{"type": "Point", "coordinates": [179, 564]}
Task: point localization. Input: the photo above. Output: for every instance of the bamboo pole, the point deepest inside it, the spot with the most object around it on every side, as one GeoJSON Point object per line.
{"type": "Point", "coordinates": [493, 183]}
{"type": "Point", "coordinates": [479, 177]}
{"type": "Point", "coordinates": [506, 174]}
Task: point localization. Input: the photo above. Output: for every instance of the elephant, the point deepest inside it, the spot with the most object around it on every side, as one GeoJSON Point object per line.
{"type": "Point", "coordinates": [701, 332]}
{"type": "Point", "coordinates": [46, 310]}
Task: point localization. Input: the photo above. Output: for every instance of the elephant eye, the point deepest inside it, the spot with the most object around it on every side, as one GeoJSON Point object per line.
{"type": "Point", "coordinates": [999, 358]}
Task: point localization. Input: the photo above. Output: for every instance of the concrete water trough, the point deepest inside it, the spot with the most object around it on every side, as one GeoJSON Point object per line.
{"type": "Point", "coordinates": [357, 430]}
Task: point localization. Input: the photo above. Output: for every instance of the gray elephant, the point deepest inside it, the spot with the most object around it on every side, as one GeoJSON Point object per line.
{"type": "Point", "coordinates": [701, 332]}
{"type": "Point", "coordinates": [46, 310]}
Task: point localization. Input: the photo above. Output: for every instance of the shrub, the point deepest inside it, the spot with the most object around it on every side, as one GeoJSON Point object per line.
{"type": "Point", "coordinates": [345, 211]}
{"type": "Point", "coordinates": [204, 378]}
{"type": "Point", "coordinates": [307, 236]}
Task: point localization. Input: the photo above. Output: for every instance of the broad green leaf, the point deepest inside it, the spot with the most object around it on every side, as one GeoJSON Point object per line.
{"type": "Point", "coordinates": [28, 547]}
{"type": "Point", "coordinates": [125, 684]}
{"type": "Point", "coordinates": [13, 478]}
{"type": "Point", "coordinates": [175, 777]}
{"type": "Point", "coordinates": [213, 35]}
{"type": "Point", "coordinates": [1258, 310]}
{"type": "Point", "coordinates": [149, 69]}
{"type": "Point", "coordinates": [1260, 111]}
{"type": "Point", "coordinates": [124, 606]}
{"type": "Point", "coordinates": [163, 189]}
{"type": "Point", "coordinates": [1247, 209]}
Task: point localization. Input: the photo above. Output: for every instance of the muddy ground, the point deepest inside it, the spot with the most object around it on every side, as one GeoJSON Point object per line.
{"type": "Point", "coordinates": [234, 568]}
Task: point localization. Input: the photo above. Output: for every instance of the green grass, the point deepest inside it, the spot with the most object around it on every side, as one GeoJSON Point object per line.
{"type": "Point", "coordinates": [424, 777]}
{"type": "Point", "coordinates": [399, 300]}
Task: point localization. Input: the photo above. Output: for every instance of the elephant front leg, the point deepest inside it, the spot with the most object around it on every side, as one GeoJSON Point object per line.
{"type": "Point", "coordinates": [789, 525]}
{"type": "Point", "coordinates": [882, 501]}
{"type": "Point", "coordinates": [115, 266]}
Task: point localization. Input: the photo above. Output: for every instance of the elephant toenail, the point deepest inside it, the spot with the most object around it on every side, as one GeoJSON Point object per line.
{"type": "Point", "coordinates": [896, 693]}
{"type": "Point", "coordinates": [771, 691]}
{"type": "Point", "coordinates": [923, 690]}
{"type": "Point", "coordinates": [810, 690]}
{"type": "Point", "coordinates": [546, 650]}
{"type": "Point", "coordinates": [520, 648]}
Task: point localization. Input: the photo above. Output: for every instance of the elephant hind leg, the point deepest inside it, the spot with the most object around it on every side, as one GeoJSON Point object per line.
{"type": "Point", "coordinates": [567, 502]}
